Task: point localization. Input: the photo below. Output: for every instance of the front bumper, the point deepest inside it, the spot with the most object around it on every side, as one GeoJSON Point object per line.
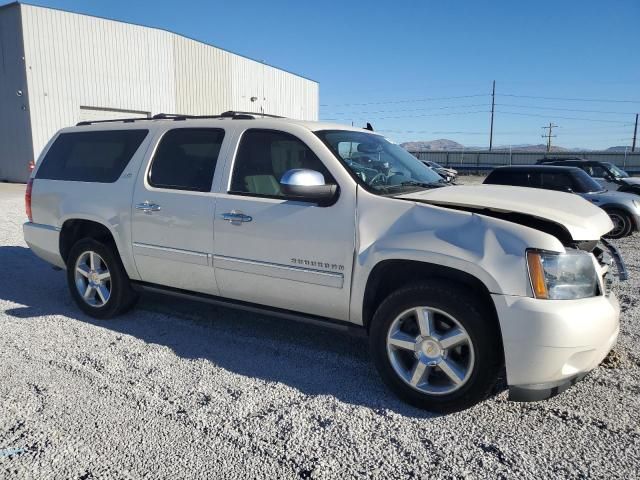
{"type": "Point", "coordinates": [551, 344]}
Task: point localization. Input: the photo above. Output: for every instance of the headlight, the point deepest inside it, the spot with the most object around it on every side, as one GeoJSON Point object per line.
{"type": "Point", "coordinates": [562, 276]}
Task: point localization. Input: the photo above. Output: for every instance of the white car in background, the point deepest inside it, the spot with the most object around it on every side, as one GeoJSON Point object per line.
{"type": "Point", "coordinates": [448, 174]}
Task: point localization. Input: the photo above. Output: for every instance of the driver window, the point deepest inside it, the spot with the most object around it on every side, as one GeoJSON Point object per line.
{"type": "Point", "coordinates": [597, 171]}
{"type": "Point", "coordinates": [264, 156]}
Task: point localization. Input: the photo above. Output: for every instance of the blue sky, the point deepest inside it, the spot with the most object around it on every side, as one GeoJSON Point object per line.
{"type": "Point", "coordinates": [422, 70]}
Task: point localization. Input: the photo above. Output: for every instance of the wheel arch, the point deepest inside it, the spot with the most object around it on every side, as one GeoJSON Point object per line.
{"type": "Point", "coordinates": [390, 275]}
{"type": "Point", "coordinates": [77, 227]}
{"type": "Point", "coordinates": [623, 209]}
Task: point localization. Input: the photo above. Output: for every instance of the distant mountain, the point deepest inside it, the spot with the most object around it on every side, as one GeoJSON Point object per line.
{"type": "Point", "coordinates": [529, 148]}
{"type": "Point", "coordinates": [441, 144]}
{"type": "Point", "coordinates": [619, 149]}
{"type": "Point", "coordinates": [450, 145]}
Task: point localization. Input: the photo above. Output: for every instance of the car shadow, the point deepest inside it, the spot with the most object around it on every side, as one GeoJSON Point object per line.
{"type": "Point", "coordinates": [311, 359]}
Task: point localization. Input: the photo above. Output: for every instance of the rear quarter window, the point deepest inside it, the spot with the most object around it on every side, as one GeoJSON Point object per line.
{"type": "Point", "coordinates": [99, 156]}
{"type": "Point", "coordinates": [497, 177]}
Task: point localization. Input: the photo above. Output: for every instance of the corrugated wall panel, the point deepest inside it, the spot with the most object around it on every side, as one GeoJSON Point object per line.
{"type": "Point", "coordinates": [75, 60]}
{"type": "Point", "coordinates": [203, 77]}
{"type": "Point", "coordinates": [15, 131]}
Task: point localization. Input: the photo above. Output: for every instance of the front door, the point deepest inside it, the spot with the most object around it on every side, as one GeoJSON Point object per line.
{"type": "Point", "coordinates": [275, 251]}
{"type": "Point", "coordinates": [173, 210]}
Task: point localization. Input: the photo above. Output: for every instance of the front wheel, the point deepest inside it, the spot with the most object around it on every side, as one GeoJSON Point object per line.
{"type": "Point", "coordinates": [435, 347]}
{"type": "Point", "coordinates": [97, 279]}
{"type": "Point", "coordinates": [622, 225]}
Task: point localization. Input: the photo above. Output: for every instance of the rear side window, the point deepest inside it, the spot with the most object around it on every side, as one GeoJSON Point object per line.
{"type": "Point", "coordinates": [186, 159]}
{"type": "Point", "coordinates": [99, 156]}
{"type": "Point", "coordinates": [556, 181]}
{"type": "Point", "coordinates": [264, 156]}
{"type": "Point", "coordinates": [502, 177]}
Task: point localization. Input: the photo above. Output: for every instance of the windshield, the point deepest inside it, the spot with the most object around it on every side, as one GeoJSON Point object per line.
{"type": "Point", "coordinates": [583, 183]}
{"type": "Point", "coordinates": [616, 172]}
{"type": "Point", "coordinates": [380, 165]}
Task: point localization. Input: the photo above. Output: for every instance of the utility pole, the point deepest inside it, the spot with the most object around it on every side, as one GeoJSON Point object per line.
{"type": "Point", "coordinates": [549, 136]}
{"type": "Point", "coordinates": [493, 108]}
{"type": "Point", "coordinates": [635, 134]}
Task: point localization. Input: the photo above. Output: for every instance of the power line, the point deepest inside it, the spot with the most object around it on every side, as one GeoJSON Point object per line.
{"type": "Point", "coordinates": [413, 116]}
{"type": "Point", "coordinates": [602, 100]}
{"type": "Point", "coordinates": [369, 112]}
{"type": "Point", "coordinates": [563, 109]}
{"type": "Point", "coordinates": [428, 99]}
{"type": "Point", "coordinates": [566, 118]}
{"type": "Point", "coordinates": [432, 99]}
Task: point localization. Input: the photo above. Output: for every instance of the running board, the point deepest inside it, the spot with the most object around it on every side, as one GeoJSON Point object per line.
{"type": "Point", "coordinates": [318, 321]}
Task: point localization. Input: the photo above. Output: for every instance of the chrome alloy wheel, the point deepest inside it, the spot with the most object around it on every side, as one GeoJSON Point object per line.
{"type": "Point", "coordinates": [93, 279]}
{"type": "Point", "coordinates": [430, 350]}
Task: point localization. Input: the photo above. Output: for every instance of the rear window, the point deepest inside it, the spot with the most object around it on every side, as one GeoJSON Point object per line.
{"type": "Point", "coordinates": [90, 156]}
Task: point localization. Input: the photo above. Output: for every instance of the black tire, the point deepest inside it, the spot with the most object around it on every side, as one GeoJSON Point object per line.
{"type": "Point", "coordinates": [122, 297]}
{"type": "Point", "coordinates": [481, 328]}
{"type": "Point", "coordinates": [622, 223]}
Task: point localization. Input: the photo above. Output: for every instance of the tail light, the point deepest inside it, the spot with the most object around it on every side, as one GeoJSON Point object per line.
{"type": "Point", "coordinates": [32, 166]}
{"type": "Point", "coordinates": [27, 199]}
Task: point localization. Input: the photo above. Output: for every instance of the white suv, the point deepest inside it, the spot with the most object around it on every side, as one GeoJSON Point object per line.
{"type": "Point", "coordinates": [332, 224]}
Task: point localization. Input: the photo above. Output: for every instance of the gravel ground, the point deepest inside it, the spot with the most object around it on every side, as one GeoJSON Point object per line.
{"type": "Point", "coordinates": [182, 390]}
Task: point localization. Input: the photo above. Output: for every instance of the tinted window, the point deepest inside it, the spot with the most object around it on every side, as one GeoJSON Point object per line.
{"type": "Point", "coordinates": [264, 156]}
{"type": "Point", "coordinates": [186, 159]}
{"type": "Point", "coordinates": [556, 181]}
{"type": "Point", "coordinates": [508, 177]}
{"type": "Point", "coordinates": [583, 183]}
{"type": "Point", "coordinates": [99, 156]}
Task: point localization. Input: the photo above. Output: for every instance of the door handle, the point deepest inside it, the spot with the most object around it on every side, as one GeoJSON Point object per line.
{"type": "Point", "coordinates": [148, 207]}
{"type": "Point", "coordinates": [236, 217]}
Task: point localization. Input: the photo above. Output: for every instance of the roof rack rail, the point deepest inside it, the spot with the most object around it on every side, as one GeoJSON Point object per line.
{"type": "Point", "coordinates": [244, 115]}
{"type": "Point", "coordinates": [178, 117]}
{"type": "Point", "coordinates": [124, 120]}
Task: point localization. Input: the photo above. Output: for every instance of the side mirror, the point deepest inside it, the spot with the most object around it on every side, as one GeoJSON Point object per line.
{"type": "Point", "coordinates": [307, 186]}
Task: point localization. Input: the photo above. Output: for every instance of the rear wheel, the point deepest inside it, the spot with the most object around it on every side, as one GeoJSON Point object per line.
{"type": "Point", "coordinates": [435, 347]}
{"type": "Point", "coordinates": [622, 225]}
{"type": "Point", "coordinates": [97, 279]}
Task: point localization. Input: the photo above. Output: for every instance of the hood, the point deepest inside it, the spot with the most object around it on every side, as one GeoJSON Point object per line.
{"type": "Point", "coordinates": [631, 180]}
{"type": "Point", "coordinates": [581, 219]}
{"type": "Point", "coordinates": [612, 196]}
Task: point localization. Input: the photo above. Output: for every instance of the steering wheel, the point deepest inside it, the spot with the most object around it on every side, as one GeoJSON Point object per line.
{"type": "Point", "coordinates": [377, 179]}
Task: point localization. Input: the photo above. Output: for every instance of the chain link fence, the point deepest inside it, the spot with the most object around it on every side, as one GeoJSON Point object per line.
{"type": "Point", "coordinates": [483, 160]}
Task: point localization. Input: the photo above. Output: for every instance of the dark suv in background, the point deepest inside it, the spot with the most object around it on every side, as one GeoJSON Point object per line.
{"type": "Point", "coordinates": [607, 174]}
{"type": "Point", "coordinates": [622, 208]}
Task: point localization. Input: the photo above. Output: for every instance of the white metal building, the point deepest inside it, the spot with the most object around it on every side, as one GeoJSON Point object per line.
{"type": "Point", "coordinates": [58, 68]}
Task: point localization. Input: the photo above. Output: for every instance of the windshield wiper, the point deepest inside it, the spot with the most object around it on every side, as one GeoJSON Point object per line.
{"type": "Point", "coordinates": [411, 183]}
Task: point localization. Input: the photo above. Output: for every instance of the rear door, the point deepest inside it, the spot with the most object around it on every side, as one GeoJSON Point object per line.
{"type": "Point", "coordinates": [173, 208]}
